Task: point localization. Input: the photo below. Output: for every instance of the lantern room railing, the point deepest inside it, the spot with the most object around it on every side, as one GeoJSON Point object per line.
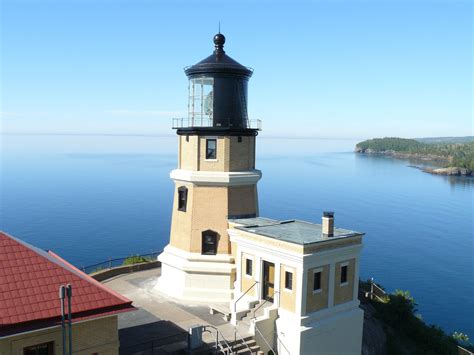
{"type": "Point", "coordinates": [208, 122]}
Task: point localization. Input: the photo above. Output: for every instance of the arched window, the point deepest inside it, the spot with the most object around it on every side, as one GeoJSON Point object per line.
{"type": "Point", "coordinates": [182, 198]}
{"type": "Point", "coordinates": [209, 242]}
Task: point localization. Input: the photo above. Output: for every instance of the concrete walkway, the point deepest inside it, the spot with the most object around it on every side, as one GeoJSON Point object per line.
{"type": "Point", "coordinates": [160, 317]}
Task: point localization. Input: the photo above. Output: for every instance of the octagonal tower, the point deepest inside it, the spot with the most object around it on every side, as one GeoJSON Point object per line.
{"type": "Point", "coordinates": [216, 179]}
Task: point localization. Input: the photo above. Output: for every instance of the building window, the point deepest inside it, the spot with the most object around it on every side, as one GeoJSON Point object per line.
{"type": "Point", "coordinates": [182, 198]}
{"type": "Point", "coordinates": [209, 242]}
{"type": "Point", "coordinates": [344, 274]}
{"type": "Point", "coordinates": [40, 349]}
{"type": "Point", "coordinates": [317, 281]}
{"type": "Point", "coordinates": [248, 267]}
{"type": "Point", "coordinates": [288, 280]}
{"type": "Point", "coordinates": [211, 149]}
{"type": "Point", "coordinates": [239, 139]}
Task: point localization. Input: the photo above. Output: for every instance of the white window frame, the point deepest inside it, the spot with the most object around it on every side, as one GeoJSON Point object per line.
{"type": "Point", "coordinates": [205, 149]}
{"type": "Point", "coordinates": [315, 271]}
{"type": "Point", "coordinates": [341, 284]}
{"type": "Point", "coordinates": [285, 270]}
{"type": "Point", "coordinates": [247, 257]}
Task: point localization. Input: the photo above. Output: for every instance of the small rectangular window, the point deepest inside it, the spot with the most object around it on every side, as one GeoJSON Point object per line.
{"type": "Point", "coordinates": [248, 267]}
{"type": "Point", "coordinates": [343, 274]}
{"type": "Point", "coordinates": [40, 349]}
{"type": "Point", "coordinates": [182, 198]}
{"type": "Point", "coordinates": [317, 281]}
{"type": "Point", "coordinates": [288, 280]}
{"type": "Point", "coordinates": [239, 139]}
{"type": "Point", "coordinates": [211, 149]}
{"type": "Point", "coordinates": [209, 243]}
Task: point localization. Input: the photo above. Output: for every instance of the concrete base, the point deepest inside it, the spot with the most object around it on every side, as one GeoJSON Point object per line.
{"type": "Point", "coordinates": [338, 333]}
{"type": "Point", "coordinates": [196, 277]}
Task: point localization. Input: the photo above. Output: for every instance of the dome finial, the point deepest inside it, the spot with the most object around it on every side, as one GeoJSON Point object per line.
{"type": "Point", "coordinates": [219, 40]}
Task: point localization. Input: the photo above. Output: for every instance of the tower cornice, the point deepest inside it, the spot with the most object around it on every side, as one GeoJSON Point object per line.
{"type": "Point", "coordinates": [217, 178]}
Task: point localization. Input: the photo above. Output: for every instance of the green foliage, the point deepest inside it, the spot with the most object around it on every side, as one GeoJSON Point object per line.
{"type": "Point", "coordinates": [460, 155]}
{"type": "Point", "coordinates": [408, 329]}
{"type": "Point", "coordinates": [135, 259]}
{"type": "Point", "coordinates": [460, 337]}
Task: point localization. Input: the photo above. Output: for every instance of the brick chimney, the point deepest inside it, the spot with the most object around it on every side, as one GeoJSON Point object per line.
{"type": "Point", "coordinates": [328, 224]}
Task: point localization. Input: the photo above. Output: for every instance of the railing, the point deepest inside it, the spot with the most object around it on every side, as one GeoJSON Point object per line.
{"type": "Point", "coordinates": [208, 122]}
{"type": "Point", "coordinates": [266, 301]}
{"type": "Point", "coordinates": [218, 343]}
{"type": "Point", "coordinates": [242, 295]}
{"type": "Point", "coordinates": [236, 332]}
{"type": "Point", "coordinates": [265, 341]}
{"type": "Point", "coordinates": [111, 263]}
{"type": "Point", "coordinates": [375, 292]}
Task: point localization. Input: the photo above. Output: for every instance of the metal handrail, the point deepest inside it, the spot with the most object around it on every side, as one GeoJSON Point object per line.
{"type": "Point", "coordinates": [110, 263]}
{"type": "Point", "coordinates": [266, 301]}
{"type": "Point", "coordinates": [236, 332]}
{"type": "Point", "coordinates": [279, 340]}
{"type": "Point", "coordinates": [265, 340]}
{"type": "Point", "coordinates": [242, 295]}
{"type": "Point", "coordinates": [218, 344]}
{"type": "Point", "coordinates": [184, 122]}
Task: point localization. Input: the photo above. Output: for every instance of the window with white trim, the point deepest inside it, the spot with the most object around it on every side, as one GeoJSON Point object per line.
{"type": "Point", "coordinates": [248, 267]}
{"type": "Point", "coordinates": [288, 280]}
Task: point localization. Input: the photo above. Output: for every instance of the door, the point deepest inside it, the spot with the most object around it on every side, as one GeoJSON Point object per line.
{"type": "Point", "coordinates": [268, 288]}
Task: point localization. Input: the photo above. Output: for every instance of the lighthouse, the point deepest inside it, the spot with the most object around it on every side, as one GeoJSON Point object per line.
{"type": "Point", "coordinates": [215, 180]}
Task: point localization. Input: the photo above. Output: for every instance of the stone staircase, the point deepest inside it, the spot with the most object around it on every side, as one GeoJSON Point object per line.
{"type": "Point", "coordinates": [245, 346]}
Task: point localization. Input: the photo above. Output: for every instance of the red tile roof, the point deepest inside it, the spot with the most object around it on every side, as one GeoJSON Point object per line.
{"type": "Point", "coordinates": [29, 287]}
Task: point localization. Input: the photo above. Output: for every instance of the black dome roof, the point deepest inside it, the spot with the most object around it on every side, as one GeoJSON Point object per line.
{"type": "Point", "coordinates": [218, 62]}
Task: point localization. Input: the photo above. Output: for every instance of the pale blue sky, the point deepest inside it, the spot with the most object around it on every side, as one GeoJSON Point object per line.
{"type": "Point", "coordinates": [345, 69]}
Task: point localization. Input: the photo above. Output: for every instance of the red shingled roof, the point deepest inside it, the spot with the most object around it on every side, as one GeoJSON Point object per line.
{"type": "Point", "coordinates": [29, 286]}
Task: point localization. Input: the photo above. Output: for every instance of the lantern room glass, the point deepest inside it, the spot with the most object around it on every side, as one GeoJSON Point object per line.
{"type": "Point", "coordinates": [201, 101]}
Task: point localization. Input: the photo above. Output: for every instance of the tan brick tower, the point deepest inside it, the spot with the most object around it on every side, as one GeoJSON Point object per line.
{"type": "Point", "coordinates": [215, 181]}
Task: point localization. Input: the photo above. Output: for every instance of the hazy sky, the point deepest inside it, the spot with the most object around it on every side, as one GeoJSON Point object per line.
{"type": "Point", "coordinates": [346, 69]}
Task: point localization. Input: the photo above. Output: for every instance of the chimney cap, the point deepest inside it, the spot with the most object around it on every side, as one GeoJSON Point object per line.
{"type": "Point", "coordinates": [328, 214]}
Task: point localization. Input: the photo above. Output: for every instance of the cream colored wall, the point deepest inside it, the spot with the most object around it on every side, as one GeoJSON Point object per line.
{"type": "Point", "coordinates": [213, 165]}
{"type": "Point", "coordinates": [287, 298]}
{"type": "Point", "coordinates": [181, 221]}
{"type": "Point", "coordinates": [188, 153]}
{"type": "Point", "coordinates": [332, 243]}
{"type": "Point", "coordinates": [243, 200]}
{"type": "Point", "coordinates": [343, 294]}
{"type": "Point", "coordinates": [317, 301]}
{"type": "Point", "coordinates": [92, 336]}
{"type": "Point", "coordinates": [231, 155]}
{"type": "Point", "coordinates": [206, 209]}
{"type": "Point", "coordinates": [242, 155]}
{"type": "Point", "coordinates": [248, 281]}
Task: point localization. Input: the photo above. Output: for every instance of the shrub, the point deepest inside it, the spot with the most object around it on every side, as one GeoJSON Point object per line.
{"type": "Point", "coordinates": [135, 259]}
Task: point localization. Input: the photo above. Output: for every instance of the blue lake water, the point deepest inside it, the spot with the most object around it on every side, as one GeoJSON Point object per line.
{"type": "Point", "coordinates": [89, 198]}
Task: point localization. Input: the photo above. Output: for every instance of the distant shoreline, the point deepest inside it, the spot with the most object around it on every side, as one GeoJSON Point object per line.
{"type": "Point", "coordinates": [450, 158]}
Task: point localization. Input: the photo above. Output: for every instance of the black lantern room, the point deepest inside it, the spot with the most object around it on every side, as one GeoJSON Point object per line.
{"type": "Point", "coordinates": [217, 96]}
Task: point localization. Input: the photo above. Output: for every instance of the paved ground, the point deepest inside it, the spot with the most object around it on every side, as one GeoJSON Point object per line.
{"type": "Point", "coordinates": [160, 317]}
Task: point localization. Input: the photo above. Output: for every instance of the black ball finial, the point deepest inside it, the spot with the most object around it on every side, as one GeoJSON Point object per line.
{"type": "Point", "coordinates": [219, 40]}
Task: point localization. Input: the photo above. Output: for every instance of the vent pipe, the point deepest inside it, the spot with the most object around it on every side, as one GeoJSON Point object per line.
{"type": "Point", "coordinates": [328, 224]}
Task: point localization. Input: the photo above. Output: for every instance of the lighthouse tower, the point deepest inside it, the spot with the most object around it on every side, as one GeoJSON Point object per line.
{"type": "Point", "coordinates": [215, 181]}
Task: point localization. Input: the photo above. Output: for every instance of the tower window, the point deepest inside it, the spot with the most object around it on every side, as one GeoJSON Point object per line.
{"type": "Point", "coordinates": [211, 149]}
{"type": "Point", "coordinates": [317, 281]}
{"type": "Point", "coordinates": [209, 242]}
{"type": "Point", "coordinates": [288, 280]}
{"type": "Point", "coordinates": [248, 267]}
{"type": "Point", "coordinates": [343, 274]}
{"type": "Point", "coordinates": [182, 198]}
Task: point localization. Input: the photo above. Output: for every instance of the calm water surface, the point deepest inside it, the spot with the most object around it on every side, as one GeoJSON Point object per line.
{"type": "Point", "coordinates": [90, 198]}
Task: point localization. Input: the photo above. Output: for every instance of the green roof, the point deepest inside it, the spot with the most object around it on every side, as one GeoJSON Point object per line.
{"type": "Point", "coordinates": [292, 231]}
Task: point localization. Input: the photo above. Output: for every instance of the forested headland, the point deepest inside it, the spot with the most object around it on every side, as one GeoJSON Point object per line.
{"type": "Point", "coordinates": [456, 155]}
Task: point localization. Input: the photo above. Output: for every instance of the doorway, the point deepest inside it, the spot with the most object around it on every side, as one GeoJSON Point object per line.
{"type": "Point", "coordinates": [268, 289]}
